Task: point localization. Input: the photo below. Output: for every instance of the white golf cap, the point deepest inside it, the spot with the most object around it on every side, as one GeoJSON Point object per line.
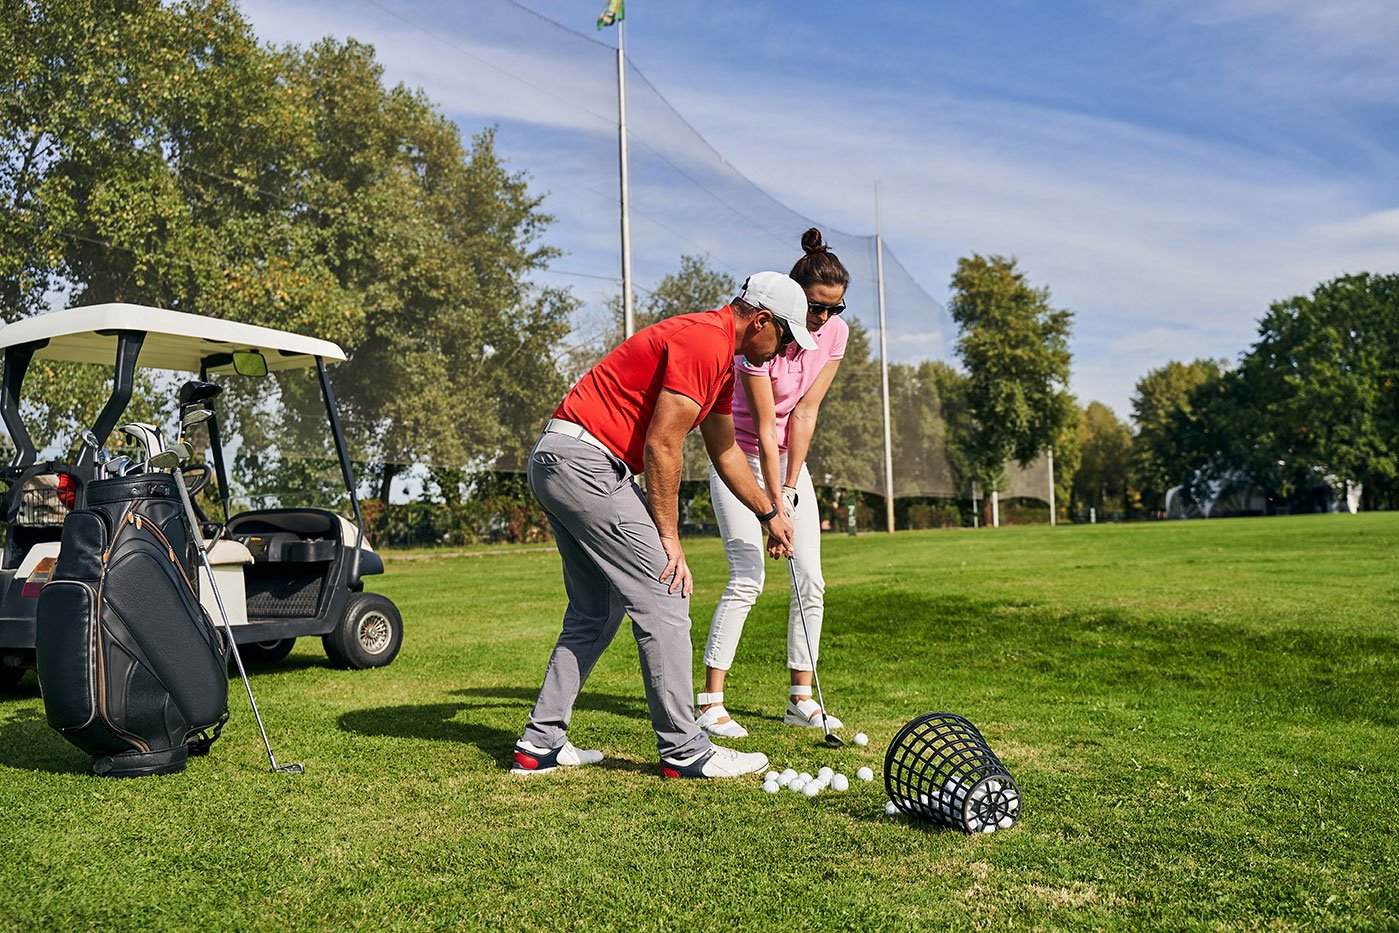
{"type": "Point", "coordinates": [781, 295]}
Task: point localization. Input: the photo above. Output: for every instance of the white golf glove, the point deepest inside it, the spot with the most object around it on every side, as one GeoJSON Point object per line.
{"type": "Point", "coordinates": [789, 499]}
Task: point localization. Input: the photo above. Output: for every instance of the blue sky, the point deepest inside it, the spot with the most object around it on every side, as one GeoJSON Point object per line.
{"type": "Point", "coordinates": [1167, 169]}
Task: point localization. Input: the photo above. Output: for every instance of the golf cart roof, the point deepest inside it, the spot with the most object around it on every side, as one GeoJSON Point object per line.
{"type": "Point", "coordinates": [174, 339]}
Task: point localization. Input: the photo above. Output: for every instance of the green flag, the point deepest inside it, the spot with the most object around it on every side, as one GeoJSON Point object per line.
{"type": "Point", "coordinates": [615, 12]}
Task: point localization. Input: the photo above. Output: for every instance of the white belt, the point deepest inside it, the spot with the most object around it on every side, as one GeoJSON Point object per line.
{"type": "Point", "coordinates": [569, 429]}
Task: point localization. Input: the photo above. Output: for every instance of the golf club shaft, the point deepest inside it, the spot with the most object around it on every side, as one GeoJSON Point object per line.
{"type": "Point", "coordinates": [801, 614]}
{"type": "Point", "coordinates": [193, 521]}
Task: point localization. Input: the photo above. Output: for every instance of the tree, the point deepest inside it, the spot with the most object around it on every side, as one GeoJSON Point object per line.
{"type": "Point", "coordinates": [1015, 349]}
{"type": "Point", "coordinates": [1162, 409]}
{"type": "Point", "coordinates": [1322, 388]}
{"type": "Point", "coordinates": [1101, 482]}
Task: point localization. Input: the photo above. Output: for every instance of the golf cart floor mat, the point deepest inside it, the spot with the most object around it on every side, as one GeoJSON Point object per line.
{"type": "Point", "coordinates": [279, 593]}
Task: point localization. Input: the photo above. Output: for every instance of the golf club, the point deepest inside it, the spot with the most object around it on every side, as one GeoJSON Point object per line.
{"type": "Point", "coordinates": [832, 740]}
{"type": "Point", "coordinates": [146, 436]}
{"type": "Point", "coordinates": [197, 536]}
{"type": "Point", "coordinates": [99, 455]}
{"type": "Point", "coordinates": [115, 466]}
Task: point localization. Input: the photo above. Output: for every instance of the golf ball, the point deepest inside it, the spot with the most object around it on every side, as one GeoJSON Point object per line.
{"type": "Point", "coordinates": [890, 808]}
{"type": "Point", "coordinates": [861, 739]}
{"type": "Point", "coordinates": [803, 777]}
{"type": "Point", "coordinates": [1006, 822]}
{"type": "Point", "coordinates": [770, 787]}
{"type": "Point", "coordinates": [770, 776]}
{"type": "Point", "coordinates": [797, 785]}
{"type": "Point", "coordinates": [865, 774]}
{"type": "Point", "coordinates": [784, 779]}
{"type": "Point", "coordinates": [788, 773]}
{"type": "Point", "coordinates": [825, 772]}
{"type": "Point", "coordinates": [811, 790]}
{"type": "Point", "coordinates": [840, 782]}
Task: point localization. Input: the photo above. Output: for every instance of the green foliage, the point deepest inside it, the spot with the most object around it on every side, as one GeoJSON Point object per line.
{"type": "Point", "coordinates": [847, 448]}
{"type": "Point", "coordinates": [1102, 481]}
{"type": "Point", "coordinates": [1016, 351]}
{"type": "Point", "coordinates": [1163, 409]}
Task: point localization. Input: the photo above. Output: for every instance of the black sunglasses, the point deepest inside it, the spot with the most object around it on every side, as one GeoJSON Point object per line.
{"type": "Point", "coordinates": [815, 307]}
{"type": "Point", "coordinates": [786, 337]}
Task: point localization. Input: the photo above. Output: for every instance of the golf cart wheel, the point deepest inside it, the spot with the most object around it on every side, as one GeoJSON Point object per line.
{"type": "Point", "coordinates": [266, 652]}
{"type": "Point", "coordinates": [369, 635]}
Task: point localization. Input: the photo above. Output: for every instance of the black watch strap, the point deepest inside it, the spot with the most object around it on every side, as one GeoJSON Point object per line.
{"type": "Point", "coordinates": [768, 516]}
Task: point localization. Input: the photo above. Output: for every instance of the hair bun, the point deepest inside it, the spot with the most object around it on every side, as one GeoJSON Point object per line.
{"type": "Point", "coordinates": [811, 241]}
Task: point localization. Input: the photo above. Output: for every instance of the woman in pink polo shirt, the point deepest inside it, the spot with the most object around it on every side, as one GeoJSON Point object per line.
{"type": "Point", "coordinates": [774, 419]}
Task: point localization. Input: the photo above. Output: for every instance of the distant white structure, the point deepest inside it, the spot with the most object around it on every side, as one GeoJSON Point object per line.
{"type": "Point", "coordinates": [1235, 494]}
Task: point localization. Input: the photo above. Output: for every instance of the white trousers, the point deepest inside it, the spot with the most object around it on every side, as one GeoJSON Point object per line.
{"type": "Point", "coordinates": [746, 547]}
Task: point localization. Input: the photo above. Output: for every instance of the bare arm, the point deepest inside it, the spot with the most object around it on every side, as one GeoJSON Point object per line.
{"type": "Point", "coordinates": [665, 437]}
{"type": "Point", "coordinates": [758, 388]}
{"type": "Point", "coordinates": [732, 467]}
{"type": "Point", "coordinates": [802, 425]}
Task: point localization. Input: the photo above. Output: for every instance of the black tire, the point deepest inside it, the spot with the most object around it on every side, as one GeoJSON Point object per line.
{"type": "Point", "coordinates": [266, 652]}
{"type": "Point", "coordinates": [369, 634]}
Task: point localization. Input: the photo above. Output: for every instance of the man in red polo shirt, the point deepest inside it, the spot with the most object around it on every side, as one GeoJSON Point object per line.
{"type": "Point", "coordinates": [621, 548]}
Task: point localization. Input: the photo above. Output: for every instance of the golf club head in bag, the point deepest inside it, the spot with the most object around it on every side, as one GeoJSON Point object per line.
{"type": "Point", "coordinates": [146, 436]}
{"type": "Point", "coordinates": [940, 769]}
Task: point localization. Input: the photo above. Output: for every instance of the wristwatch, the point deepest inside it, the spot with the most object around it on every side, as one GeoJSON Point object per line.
{"type": "Point", "coordinates": [768, 516]}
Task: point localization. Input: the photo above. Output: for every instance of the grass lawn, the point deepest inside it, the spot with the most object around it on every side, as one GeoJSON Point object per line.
{"type": "Point", "coordinates": [1201, 717]}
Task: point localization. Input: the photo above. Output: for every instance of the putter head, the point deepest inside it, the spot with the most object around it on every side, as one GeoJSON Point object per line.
{"type": "Point", "coordinates": [196, 391]}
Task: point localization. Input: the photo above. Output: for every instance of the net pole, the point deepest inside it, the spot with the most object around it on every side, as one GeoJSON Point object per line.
{"type": "Point", "coordinates": [628, 309]}
{"type": "Point", "coordinates": [884, 369]}
{"type": "Point", "coordinates": [1050, 454]}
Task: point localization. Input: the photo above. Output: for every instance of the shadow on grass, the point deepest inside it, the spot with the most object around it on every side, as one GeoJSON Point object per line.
{"type": "Point", "coordinates": [444, 722]}
{"type": "Point", "coordinates": [27, 743]}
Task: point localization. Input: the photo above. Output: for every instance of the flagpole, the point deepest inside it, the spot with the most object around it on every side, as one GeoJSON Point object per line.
{"type": "Point", "coordinates": [884, 368]}
{"type": "Point", "coordinates": [628, 310]}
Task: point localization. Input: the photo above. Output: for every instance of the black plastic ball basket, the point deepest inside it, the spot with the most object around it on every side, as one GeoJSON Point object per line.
{"type": "Point", "coordinates": [940, 769]}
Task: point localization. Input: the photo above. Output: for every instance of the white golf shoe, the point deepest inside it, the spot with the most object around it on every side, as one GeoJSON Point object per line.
{"type": "Point", "coordinates": [709, 719]}
{"type": "Point", "coordinates": [714, 762]}
{"type": "Point", "coordinates": [802, 710]}
{"type": "Point", "coordinates": [532, 759]}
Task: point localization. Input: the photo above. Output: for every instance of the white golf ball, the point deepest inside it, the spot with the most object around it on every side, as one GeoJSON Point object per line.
{"type": "Point", "coordinates": [861, 739]}
{"type": "Point", "coordinates": [1006, 822]}
{"type": "Point", "coordinates": [770, 787]}
{"type": "Point", "coordinates": [840, 782]}
{"type": "Point", "coordinates": [825, 772]}
{"type": "Point", "coordinates": [811, 790]}
{"type": "Point", "coordinates": [770, 776]}
{"type": "Point", "coordinates": [788, 773]}
{"type": "Point", "coordinates": [784, 779]}
{"type": "Point", "coordinates": [890, 808]}
{"type": "Point", "coordinates": [797, 785]}
{"type": "Point", "coordinates": [803, 777]}
{"type": "Point", "coordinates": [865, 774]}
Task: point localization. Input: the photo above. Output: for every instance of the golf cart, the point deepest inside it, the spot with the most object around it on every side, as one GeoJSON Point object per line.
{"type": "Point", "coordinates": [282, 573]}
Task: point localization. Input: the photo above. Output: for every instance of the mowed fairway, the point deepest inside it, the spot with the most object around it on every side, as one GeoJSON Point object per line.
{"type": "Point", "coordinates": [1201, 717]}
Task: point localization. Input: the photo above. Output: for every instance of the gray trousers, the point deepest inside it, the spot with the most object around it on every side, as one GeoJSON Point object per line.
{"type": "Point", "coordinates": [612, 559]}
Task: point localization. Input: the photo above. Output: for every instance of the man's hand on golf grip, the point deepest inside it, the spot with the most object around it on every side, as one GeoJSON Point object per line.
{"type": "Point", "coordinates": [676, 570]}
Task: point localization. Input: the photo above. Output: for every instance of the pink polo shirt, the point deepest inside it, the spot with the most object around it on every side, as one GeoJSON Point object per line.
{"type": "Point", "coordinates": [792, 374]}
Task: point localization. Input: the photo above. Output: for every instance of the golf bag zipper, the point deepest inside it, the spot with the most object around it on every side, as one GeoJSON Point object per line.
{"type": "Point", "coordinates": [100, 707]}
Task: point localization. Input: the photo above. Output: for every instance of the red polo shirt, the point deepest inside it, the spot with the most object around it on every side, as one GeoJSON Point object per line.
{"type": "Point", "coordinates": [692, 354]}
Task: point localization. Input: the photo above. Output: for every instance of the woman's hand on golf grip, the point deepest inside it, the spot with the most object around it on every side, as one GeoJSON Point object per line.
{"type": "Point", "coordinates": [779, 532]}
{"type": "Point", "coordinates": [676, 570]}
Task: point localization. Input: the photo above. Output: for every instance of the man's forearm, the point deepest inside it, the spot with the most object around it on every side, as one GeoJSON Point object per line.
{"type": "Point", "coordinates": [732, 467]}
{"type": "Point", "coordinates": [663, 487]}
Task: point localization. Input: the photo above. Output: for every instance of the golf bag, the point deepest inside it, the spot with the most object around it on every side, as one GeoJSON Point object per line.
{"type": "Point", "coordinates": [132, 670]}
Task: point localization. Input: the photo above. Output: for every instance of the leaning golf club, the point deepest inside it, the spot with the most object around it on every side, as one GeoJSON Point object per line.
{"type": "Point", "coordinates": [172, 457]}
{"type": "Point", "coordinates": [832, 739]}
